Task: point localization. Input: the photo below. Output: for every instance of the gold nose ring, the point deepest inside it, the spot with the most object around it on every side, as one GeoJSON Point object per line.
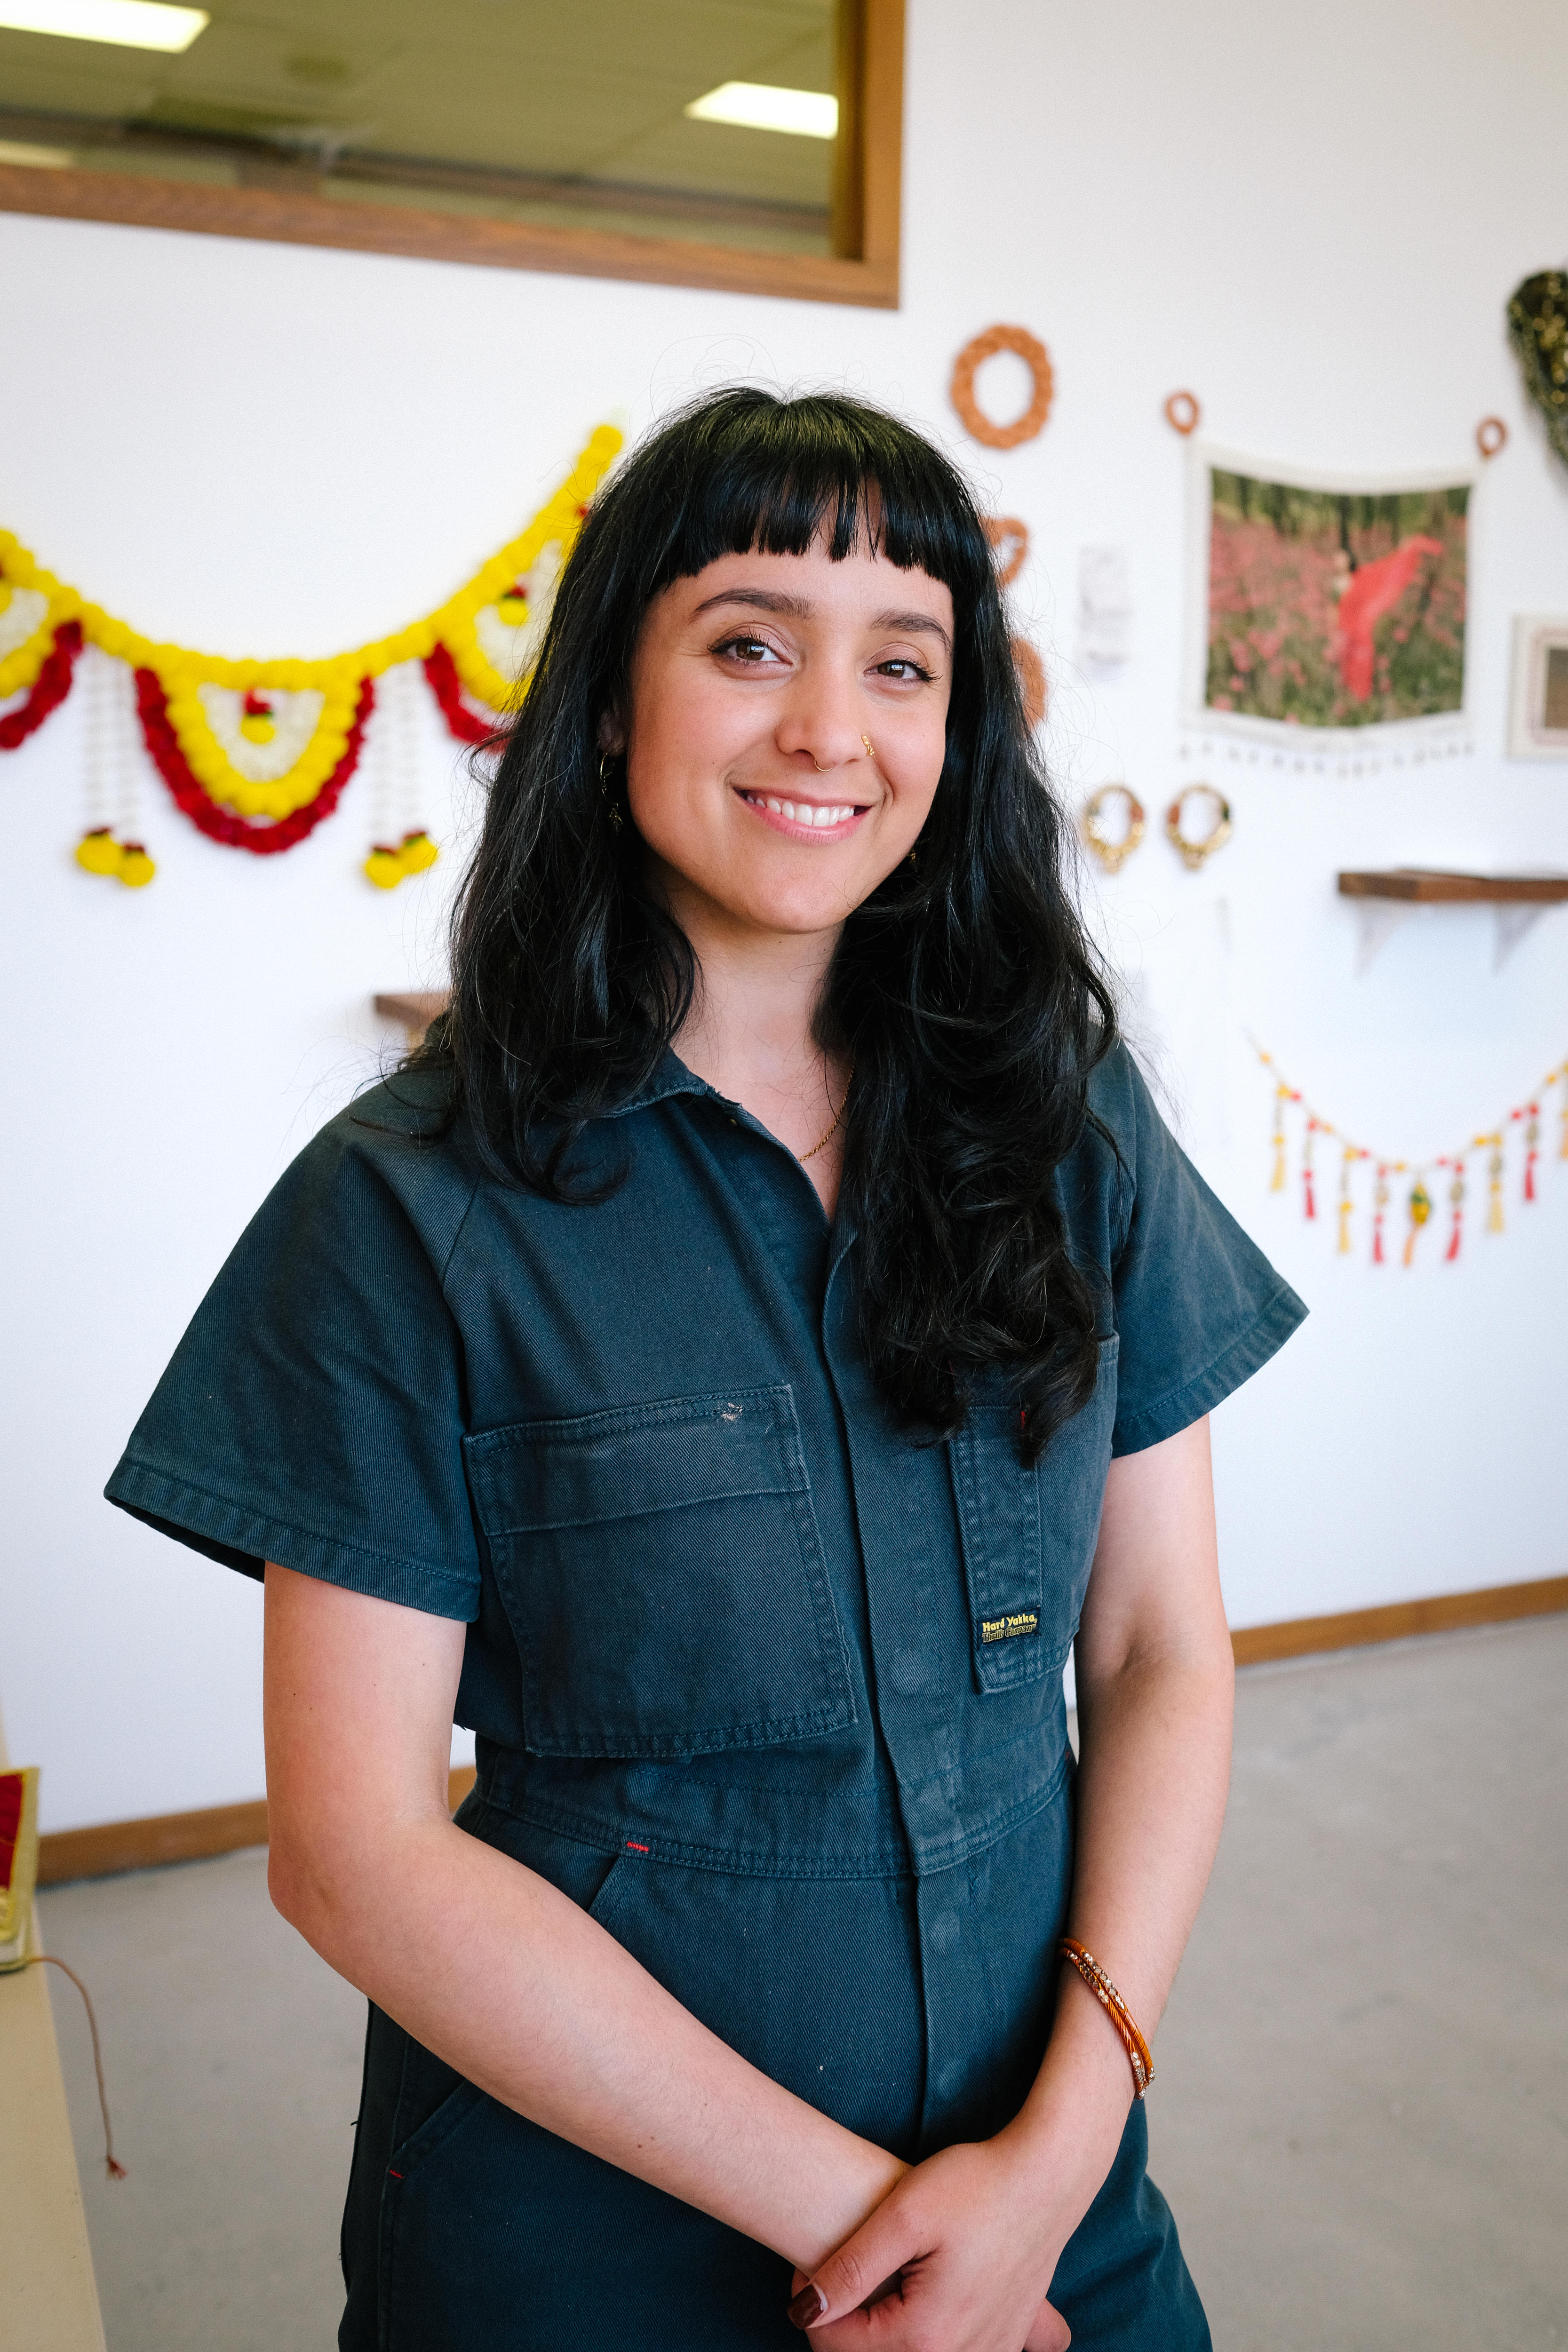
{"type": "Point", "coordinates": [870, 752]}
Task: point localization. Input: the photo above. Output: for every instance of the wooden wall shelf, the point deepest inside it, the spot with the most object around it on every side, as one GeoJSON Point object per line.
{"type": "Point", "coordinates": [1384, 901]}
{"type": "Point", "coordinates": [414, 1008]}
{"type": "Point", "coordinates": [1421, 885]}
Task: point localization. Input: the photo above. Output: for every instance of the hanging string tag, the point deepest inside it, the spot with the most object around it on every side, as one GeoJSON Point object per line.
{"type": "Point", "coordinates": [1495, 1168]}
{"type": "Point", "coordinates": [1456, 1197]}
{"type": "Point", "coordinates": [1281, 1097]}
{"type": "Point", "coordinates": [1346, 1202]}
{"type": "Point", "coordinates": [1532, 1150]}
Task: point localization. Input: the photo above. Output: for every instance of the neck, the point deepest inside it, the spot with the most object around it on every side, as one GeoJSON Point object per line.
{"type": "Point", "coordinates": [749, 1032]}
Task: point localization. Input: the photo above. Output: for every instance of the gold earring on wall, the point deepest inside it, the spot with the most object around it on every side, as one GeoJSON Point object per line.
{"type": "Point", "coordinates": [1195, 852]}
{"type": "Point", "coordinates": [1110, 852]}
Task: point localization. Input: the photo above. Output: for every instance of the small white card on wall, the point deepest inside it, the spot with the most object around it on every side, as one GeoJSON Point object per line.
{"type": "Point", "coordinates": [1538, 703]}
{"type": "Point", "coordinates": [1104, 607]}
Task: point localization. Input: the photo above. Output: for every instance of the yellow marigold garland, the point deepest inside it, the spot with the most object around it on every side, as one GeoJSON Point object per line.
{"type": "Point", "coordinates": [180, 674]}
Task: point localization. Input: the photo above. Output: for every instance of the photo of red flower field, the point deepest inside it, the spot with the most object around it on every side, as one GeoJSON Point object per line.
{"type": "Point", "coordinates": [1331, 608]}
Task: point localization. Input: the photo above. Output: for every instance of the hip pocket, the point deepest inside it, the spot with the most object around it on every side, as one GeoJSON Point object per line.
{"type": "Point", "coordinates": [663, 1573]}
{"type": "Point", "coordinates": [1029, 1530]}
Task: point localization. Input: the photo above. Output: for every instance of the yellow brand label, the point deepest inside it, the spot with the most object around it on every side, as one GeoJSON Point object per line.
{"type": "Point", "coordinates": [1003, 1629]}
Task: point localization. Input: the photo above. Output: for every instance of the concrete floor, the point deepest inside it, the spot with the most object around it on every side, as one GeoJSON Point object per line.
{"type": "Point", "coordinates": [1361, 2111]}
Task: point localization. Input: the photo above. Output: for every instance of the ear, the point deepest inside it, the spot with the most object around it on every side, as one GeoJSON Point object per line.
{"type": "Point", "coordinates": [612, 736]}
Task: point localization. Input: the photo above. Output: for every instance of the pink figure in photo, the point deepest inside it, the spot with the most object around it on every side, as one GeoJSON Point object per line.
{"type": "Point", "coordinates": [1371, 591]}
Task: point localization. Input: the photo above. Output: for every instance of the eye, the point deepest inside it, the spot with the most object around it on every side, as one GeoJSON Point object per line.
{"type": "Point", "coordinates": [750, 652]}
{"type": "Point", "coordinates": [904, 666]}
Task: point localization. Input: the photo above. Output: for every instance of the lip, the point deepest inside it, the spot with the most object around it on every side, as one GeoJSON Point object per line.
{"type": "Point", "coordinates": [795, 828]}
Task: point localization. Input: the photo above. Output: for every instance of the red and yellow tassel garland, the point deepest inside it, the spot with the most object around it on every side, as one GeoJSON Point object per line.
{"type": "Point", "coordinates": [1526, 1117]}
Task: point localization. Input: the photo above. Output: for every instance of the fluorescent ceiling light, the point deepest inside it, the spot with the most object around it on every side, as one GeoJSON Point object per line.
{"type": "Point", "coordinates": [758, 106]}
{"type": "Point", "coordinates": [130, 24]}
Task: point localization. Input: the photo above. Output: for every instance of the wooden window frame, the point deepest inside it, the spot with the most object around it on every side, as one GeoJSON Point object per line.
{"type": "Point", "coordinates": [866, 207]}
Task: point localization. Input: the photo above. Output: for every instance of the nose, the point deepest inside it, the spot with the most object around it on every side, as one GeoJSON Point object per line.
{"type": "Point", "coordinates": [822, 724]}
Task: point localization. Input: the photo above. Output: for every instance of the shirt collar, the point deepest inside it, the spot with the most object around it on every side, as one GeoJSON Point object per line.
{"type": "Point", "coordinates": [671, 1077]}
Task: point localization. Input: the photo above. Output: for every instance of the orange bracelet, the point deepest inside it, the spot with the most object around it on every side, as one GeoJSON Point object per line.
{"type": "Point", "coordinates": [1115, 2008]}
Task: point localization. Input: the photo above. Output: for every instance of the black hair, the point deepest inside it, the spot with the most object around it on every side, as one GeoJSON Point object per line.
{"type": "Point", "coordinates": [964, 988]}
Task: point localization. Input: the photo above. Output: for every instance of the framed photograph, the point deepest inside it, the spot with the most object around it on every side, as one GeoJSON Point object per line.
{"type": "Point", "coordinates": [1326, 609]}
{"type": "Point", "coordinates": [1538, 704]}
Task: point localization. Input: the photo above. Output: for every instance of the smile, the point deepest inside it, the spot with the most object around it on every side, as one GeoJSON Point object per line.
{"type": "Point", "coordinates": [804, 816]}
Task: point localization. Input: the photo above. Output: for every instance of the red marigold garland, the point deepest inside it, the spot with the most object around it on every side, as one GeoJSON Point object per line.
{"type": "Point", "coordinates": [263, 837]}
{"type": "Point", "coordinates": [49, 689]}
{"type": "Point", "coordinates": [461, 718]}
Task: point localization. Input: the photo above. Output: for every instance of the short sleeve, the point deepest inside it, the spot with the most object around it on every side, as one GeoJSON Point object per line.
{"type": "Point", "coordinates": [313, 1412]}
{"type": "Point", "coordinates": [1198, 1306]}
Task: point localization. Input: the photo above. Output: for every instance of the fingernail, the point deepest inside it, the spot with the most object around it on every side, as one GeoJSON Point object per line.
{"type": "Point", "coordinates": [809, 2304]}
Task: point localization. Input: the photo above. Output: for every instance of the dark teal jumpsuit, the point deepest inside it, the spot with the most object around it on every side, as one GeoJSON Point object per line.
{"type": "Point", "coordinates": [768, 1684]}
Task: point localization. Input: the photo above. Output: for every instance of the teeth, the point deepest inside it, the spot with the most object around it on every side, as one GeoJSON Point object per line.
{"type": "Point", "coordinates": [803, 811]}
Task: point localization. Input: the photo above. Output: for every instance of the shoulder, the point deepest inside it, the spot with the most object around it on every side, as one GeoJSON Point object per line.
{"type": "Point", "coordinates": [1122, 1133]}
{"type": "Point", "coordinates": [393, 1165]}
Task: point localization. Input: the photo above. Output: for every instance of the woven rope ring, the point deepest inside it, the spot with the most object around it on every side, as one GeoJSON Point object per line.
{"type": "Point", "coordinates": [1195, 852]}
{"type": "Point", "coordinates": [1112, 854]}
{"type": "Point", "coordinates": [973, 357]}
{"type": "Point", "coordinates": [1491, 434]}
{"type": "Point", "coordinates": [1009, 545]}
{"type": "Point", "coordinates": [1031, 672]}
{"type": "Point", "coordinates": [1182, 412]}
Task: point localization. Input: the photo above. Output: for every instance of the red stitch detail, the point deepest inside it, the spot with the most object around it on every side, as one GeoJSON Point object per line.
{"type": "Point", "coordinates": [396, 2175]}
{"type": "Point", "coordinates": [633, 1847]}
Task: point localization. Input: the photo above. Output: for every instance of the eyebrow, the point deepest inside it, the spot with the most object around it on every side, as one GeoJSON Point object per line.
{"type": "Point", "coordinates": [800, 608]}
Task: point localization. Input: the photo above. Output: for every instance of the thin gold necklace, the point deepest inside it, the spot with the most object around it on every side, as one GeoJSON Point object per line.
{"type": "Point", "coordinates": [833, 1130]}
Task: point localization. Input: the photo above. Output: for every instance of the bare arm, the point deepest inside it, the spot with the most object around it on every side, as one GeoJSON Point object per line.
{"type": "Point", "coordinates": [976, 2232]}
{"type": "Point", "coordinates": [495, 1969]}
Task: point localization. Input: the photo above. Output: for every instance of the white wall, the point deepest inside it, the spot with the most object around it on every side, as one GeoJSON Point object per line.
{"type": "Point", "coordinates": [1313, 219]}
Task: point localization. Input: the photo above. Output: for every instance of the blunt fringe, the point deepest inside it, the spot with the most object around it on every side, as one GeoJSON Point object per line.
{"type": "Point", "coordinates": [964, 989]}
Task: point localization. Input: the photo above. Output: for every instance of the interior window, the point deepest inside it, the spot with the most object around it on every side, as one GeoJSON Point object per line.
{"type": "Point", "coordinates": [727, 122]}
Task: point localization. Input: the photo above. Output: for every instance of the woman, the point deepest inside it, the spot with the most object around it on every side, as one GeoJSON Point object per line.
{"type": "Point", "coordinates": [727, 1369]}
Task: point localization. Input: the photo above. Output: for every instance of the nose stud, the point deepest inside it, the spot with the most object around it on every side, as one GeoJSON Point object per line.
{"type": "Point", "coordinates": [821, 770]}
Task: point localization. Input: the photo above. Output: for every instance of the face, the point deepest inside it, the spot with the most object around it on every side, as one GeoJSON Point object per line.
{"type": "Point", "coordinates": [786, 732]}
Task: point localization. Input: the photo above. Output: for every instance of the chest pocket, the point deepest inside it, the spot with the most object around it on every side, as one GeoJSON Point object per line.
{"type": "Point", "coordinates": [663, 1574]}
{"type": "Point", "coordinates": [1029, 1533]}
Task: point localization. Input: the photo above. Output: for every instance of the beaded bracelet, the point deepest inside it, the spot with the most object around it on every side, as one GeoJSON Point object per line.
{"type": "Point", "coordinates": [1116, 2009]}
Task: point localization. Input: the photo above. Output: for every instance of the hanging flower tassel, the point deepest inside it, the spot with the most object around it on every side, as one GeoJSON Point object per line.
{"type": "Point", "coordinates": [1308, 1204]}
{"type": "Point", "coordinates": [1457, 1196]}
{"type": "Point", "coordinates": [1532, 1150]}
{"type": "Point", "coordinates": [1495, 1167]}
{"type": "Point", "coordinates": [1379, 1206]}
{"type": "Point", "coordinates": [388, 864]}
{"type": "Point", "coordinates": [1420, 1208]}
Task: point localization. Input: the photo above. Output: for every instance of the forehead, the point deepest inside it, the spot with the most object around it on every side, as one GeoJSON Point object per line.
{"type": "Point", "coordinates": [863, 585]}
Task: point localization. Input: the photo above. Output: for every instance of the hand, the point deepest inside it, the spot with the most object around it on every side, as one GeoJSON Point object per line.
{"type": "Point", "coordinates": [957, 2258]}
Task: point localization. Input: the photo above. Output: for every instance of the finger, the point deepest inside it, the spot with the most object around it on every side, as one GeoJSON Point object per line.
{"type": "Point", "coordinates": [1050, 2332]}
{"type": "Point", "coordinates": [879, 2249]}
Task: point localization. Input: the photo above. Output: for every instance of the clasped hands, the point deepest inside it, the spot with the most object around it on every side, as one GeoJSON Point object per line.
{"type": "Point", "coordinates": [957, 2258]}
